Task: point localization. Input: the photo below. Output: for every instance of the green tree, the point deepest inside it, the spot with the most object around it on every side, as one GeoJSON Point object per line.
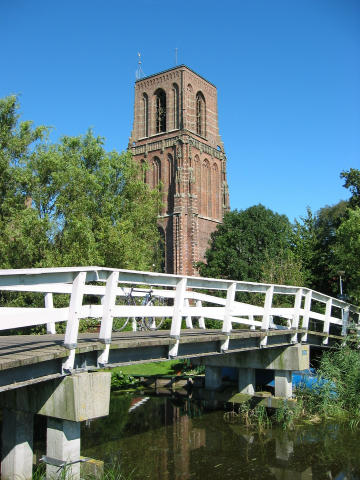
{"type": "Point", "coordinates": [347, 253]}
{"type": "Point", "coordinates": [71, 203]}
{"type": "Point", "coordinates": [352, 182]}
{"type": "Point", "coordinates": [285, 268]}
{"type": "Point", "coordinates": [23, 238]}
{"type": "Point", "coordinates": [101, 212]}
{"type": "Point", "coordinates": [314, 246]}
{"type": "Point", "coordinates": [239, 245]}
{"type": "Point", "coordinates": [304, 245]}
{"type": "Point", "coordinates": [324, 263]}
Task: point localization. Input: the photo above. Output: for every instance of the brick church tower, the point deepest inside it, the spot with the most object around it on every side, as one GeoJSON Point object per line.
{"type": "Point", "coordinates": [176, 138]}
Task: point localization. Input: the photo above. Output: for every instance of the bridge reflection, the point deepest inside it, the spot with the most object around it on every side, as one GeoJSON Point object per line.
{"type": "Point", "coordinates": [174, 439]}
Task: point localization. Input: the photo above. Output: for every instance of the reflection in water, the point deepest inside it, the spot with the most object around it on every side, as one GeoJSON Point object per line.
{"type": "Point", "coordinates": [179, 440]}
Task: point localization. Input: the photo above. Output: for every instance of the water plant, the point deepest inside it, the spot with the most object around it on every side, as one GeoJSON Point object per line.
{"type": "Point", "coordinates": [111, 472]}
{"type": "Point", "coordinates": [337, 394]}
{"type": "Point", "coordinates": [256, 418]}
{"type": "Point", "coordinates": [334, 395]}
{"type": "Point", "coordinates": [120, 380]}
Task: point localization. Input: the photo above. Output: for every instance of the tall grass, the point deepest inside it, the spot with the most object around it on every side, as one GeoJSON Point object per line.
{"type": "Point", "coordinates": [334, 397]}
{"type": "Point", "coordinates": [337, 393]}
{"type": "Point", "coordinates": [111, 472]}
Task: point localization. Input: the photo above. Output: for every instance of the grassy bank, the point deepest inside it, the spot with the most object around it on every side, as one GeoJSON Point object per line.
{"type": "Point", "coordinates": [338, 396]}
{"type": "Point", "coordinates": [148, 369]}
{"type": "Point", "coordinates": [127, 376]}
{"type": "Point", "coordinates": [112, 472]}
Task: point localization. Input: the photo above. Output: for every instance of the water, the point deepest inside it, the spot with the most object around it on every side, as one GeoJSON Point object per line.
{"type": "Point", "coordinates": [168, 439]}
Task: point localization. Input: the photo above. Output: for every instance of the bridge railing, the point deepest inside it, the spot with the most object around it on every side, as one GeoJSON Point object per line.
{"type": "Point", "coordinates": [98, 292]}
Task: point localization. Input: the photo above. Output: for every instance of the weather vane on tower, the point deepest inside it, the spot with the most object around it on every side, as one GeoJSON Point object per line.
{"type": "Point", "coordinates": [139, 72]}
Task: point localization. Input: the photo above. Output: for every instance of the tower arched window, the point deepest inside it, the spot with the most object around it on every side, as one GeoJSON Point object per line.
{"type": "Point", "coordinates": [205, 193]}
{"type": "Point", "coordinates": [156, 172]}
{"type": "Point", "coordinates": [160, 119]}
{"type": "Point", "coordinates": [170, 183]}
{"type": "Point", "coordinates": [175, 91]}
{"type": "Point", "coordinates": [216, 191]}
{"type": "Point", "coordinates": [145, 115]}
{"type": "Point", "coordinates": [197, 177]}
{"type": "Point", "coordinates": [200, 114]}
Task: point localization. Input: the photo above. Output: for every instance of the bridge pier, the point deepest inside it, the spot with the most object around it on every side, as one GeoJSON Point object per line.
{"type": "Point", "coordinates": [283, 383]}
{"type": "Point", "coordinates": [282, 360]}
{"type": "Point", "coordinates": [213, 378]}
{"type": "Point", "coordinates": [17, 444]}
{"type": "Point", "coordinates": [63, 443]}
{"type": "Point", "coordinates": [66, 402]}
{"type": "Point", "coordinates": [246, 380]}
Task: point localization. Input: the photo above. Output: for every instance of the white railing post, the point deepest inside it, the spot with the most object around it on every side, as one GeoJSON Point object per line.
{"type": "Point", "coordinates": [296, 316]}
{"type": "Point", "coordinates": [50, 327]}
{"type": "Point", "coordinates": [177, 316]}
{"type": "Point", "coordinates": [345, 320]}
{"type": "Point", "coordinates": [201, 319]}
{"type": "Point", "coordinates": [326, 328]}
{"type": "Point", "coordinates": [72, 326]}
{"type": "Point", "coordinates": [306, 316]}
{"type": "Point", "coordinates": [107, 318]}
{"type": "Point", "coordinates": [227, 324]}
{"type": "Point", "coordinates": [251, 319]}
{"type": "Point", "coordinates": [266, 315]}
{"type": "Point", "coordinates": [188, 320]}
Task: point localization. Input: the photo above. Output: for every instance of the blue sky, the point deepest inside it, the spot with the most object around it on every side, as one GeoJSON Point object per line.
{"type": "Point", "coordinates": [287, 73]}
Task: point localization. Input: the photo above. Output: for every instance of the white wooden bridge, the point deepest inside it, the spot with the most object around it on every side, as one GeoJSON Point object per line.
{"type": "Point", "coordinates": [259, 326]}
{"type": "Point", "coordinates": [97, 292]}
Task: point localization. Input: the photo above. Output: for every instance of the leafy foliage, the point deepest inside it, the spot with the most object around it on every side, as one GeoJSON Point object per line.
{"type": "Point", "coordinates": [352, 182]}
{"type": "Point", "coordinates": [238, 246]}
{"type": "Point", "coordinates": [338, 391]}
{"type": "Point", "coordinates": [121, 380]}
{"type": "Point", "coordinates": [71, 203]}
{"type": "Point", "coordinates": [347, 252]}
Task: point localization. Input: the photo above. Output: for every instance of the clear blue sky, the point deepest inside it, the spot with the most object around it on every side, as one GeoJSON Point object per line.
{"type": "Point", "coordinates": [287, 73]}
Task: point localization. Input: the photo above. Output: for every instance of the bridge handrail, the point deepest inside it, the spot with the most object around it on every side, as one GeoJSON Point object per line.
{"type": "Point", "coordinates": [185, 293]}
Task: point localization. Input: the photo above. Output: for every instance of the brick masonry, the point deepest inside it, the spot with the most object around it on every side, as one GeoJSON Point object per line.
{"type": "Point", "coordinates": [176, 138]}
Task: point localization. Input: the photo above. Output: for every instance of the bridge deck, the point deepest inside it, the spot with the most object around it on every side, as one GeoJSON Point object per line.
{"type": "Point", "coordinates": [26, 359]}
{"type": "Point", "coordinates": [21, 350]}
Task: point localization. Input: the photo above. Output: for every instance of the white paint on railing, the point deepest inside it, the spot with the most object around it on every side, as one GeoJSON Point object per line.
{"type": "Point", "coordinates": [72, 326]}
{"type": "Point", "coordinates": [177, 315]}
{"type": "Point", "coordinates": [267, 312]}
{"type": "Point", "coordinates": [229, 312]}
{"type": "Point", "coordinates": [188, 320]}
{"type": "Point", "coordinates": [296, 314]}
{"type": "Point", "coordinates": [50, 326]}
{"type": "Point", "coordinates": [201, 318]}
{"type": "Point", "coordinates": [326, 328]}
{"type": "Point", "coordinates": [184, 298]}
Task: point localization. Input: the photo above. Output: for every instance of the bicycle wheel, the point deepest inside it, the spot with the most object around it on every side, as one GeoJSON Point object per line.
{"type": "Point", "coordinates": [120, 323]}
{"type": "Point", "coordinates": [154, 323]}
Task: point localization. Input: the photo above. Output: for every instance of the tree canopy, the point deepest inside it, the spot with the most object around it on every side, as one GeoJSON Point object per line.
{"type": "Point", "coordinates": [239, 245]}
{"type": "Point", "coordinates": [347, 252]}
{"type": "Point", "coordinates": [257, 244]}
{"type": "Point", "coordinates": [71, 203]}
{"type": "Point", "coordinates": [352, 182]}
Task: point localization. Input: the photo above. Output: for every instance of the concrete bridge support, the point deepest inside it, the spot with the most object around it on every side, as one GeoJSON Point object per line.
{"type": "Point", "coordinates": [282, 360]}
{"type": "Point", "coordinates": [17, 444]}
{"type": "Point", "coordinates": [213, 378]}
{"type": "Point", "coordinates": [246, 380]}
{"type": "Point", "coordinates": [66, 402]}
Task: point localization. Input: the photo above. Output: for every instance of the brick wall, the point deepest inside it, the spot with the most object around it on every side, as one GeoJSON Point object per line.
{"type": "Point", "coordinates": [191, 164]}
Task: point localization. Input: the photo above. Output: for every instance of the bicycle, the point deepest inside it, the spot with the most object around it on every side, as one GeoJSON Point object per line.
{"type": "Point", "coordinates": [141, 323]}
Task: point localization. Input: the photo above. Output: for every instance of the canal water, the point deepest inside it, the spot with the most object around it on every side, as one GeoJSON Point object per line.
{"type": "Point", "coordinates": [180, 439]}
